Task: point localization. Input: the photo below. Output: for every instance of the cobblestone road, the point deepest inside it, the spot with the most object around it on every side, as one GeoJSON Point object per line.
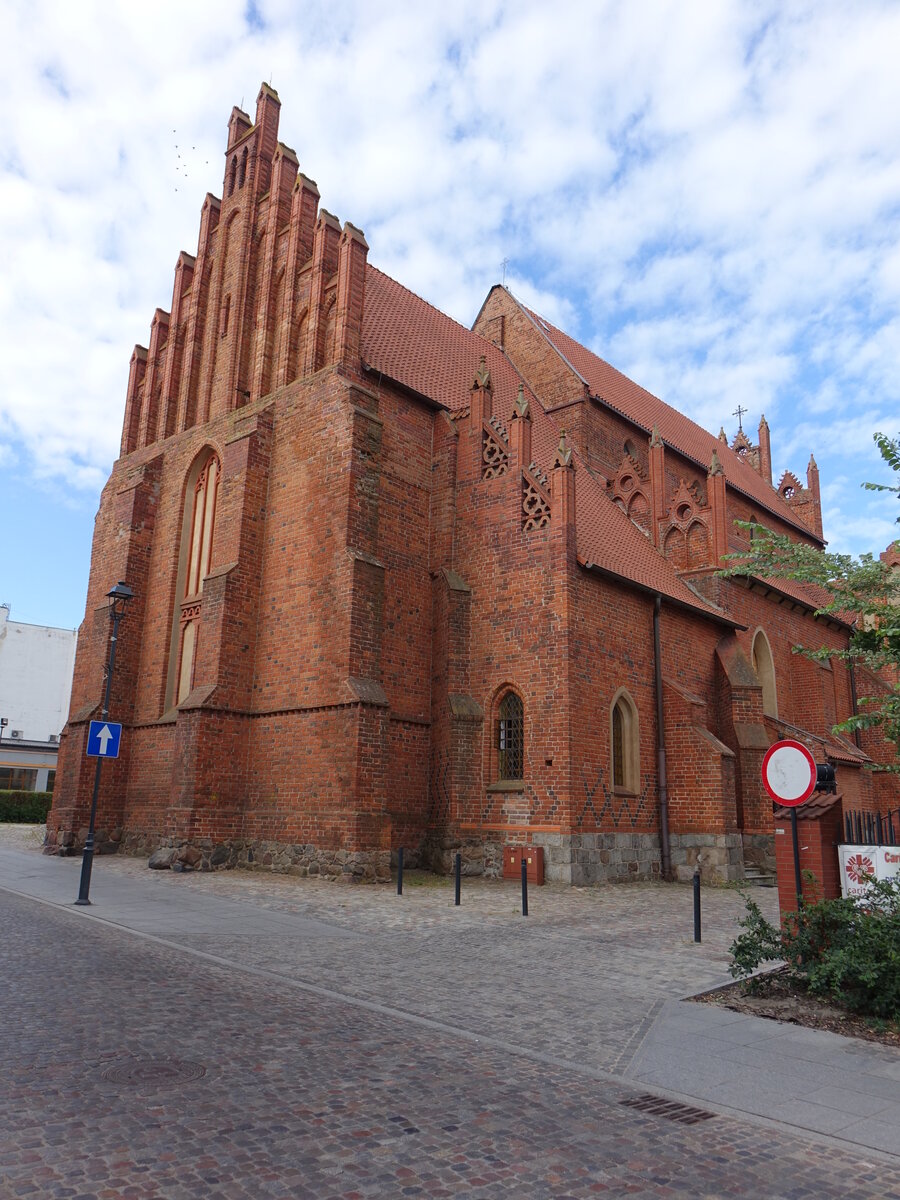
{"type": "Point", "coordinates": [578, 980]}
{"type": "Point", "coordinates": [309, 1096]}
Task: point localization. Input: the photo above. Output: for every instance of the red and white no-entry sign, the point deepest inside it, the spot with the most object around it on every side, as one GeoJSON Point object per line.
{"type": "Point", "coordinates": [789, 773]}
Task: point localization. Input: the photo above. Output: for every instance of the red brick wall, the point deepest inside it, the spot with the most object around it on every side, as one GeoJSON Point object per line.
{"type": "Point", "coordinates": [817, 840]}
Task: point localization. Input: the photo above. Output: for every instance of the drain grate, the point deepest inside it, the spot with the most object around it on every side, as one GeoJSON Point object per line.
{"type": "Point", "coordinates": [153, 1071]}
{"type": "Point", "coordinates": [658, 1106]}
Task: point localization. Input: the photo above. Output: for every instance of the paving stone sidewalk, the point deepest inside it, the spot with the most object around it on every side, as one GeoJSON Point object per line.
{"type": "Point", "coordinates": [590, 980]}
{"type": "Point", "coordinates": [577, 979]}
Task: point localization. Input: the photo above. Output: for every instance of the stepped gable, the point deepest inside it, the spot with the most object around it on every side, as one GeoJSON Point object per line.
{"type": "Point", "coordinates": [415, 344]}
{"type": "Point", "coordinates": [678, 431]}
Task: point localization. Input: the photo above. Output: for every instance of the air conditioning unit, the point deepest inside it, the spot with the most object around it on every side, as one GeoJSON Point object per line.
{"type": "Point", "coordinates": [53, 737]}
{"type": "Point", "coordinates": [17, 733]}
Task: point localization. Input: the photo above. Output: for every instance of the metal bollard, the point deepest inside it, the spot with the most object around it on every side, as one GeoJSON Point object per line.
{"type": "Point", "coordinates": [524, 887]}
{"type": "Point", "coordinates": [696, 904]}
{"type": "Point", "coordinates": [458, 876]}
{"type": "Point", "coordinates": [400, 871]}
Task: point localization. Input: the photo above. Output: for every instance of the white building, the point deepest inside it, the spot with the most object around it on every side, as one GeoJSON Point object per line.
{"type": "Point", "coordinates": [36, 665]}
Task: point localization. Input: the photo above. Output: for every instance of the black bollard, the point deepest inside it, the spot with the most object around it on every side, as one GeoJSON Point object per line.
{"type": "Point", "coordinates": [400, 871]}
{"type": "Point", "coordinates": [696, 904]}
{"type": "Point", "coordinates": [524, 887]}
{"type": "Point", "coordinates": [458, 876]}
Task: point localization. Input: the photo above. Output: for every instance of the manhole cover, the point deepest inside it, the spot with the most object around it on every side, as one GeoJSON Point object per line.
{"type": "Point", "coordinates": [153, 1070]}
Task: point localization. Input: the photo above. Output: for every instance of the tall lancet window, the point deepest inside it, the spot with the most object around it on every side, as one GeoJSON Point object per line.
{"type": "Point", "coordinates": [196, 548]}
{"type": "Point", "coordinates": [764, 667]}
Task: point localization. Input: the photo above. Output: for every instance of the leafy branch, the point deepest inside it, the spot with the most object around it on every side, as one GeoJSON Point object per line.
{"type": "Point", "coordinates": [863, 593]}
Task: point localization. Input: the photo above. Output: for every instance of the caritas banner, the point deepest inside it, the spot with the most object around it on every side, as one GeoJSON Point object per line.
{"type": "Point", "coordinates": [857, 862]}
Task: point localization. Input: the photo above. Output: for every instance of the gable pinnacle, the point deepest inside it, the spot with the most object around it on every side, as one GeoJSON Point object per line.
{"type": "Point", "coordinates": [563, 453]}
{"type": "Point", "coordinates": [723, 437]}
{"type": "Point", "coordinates": [521, 407]}
{"type": "Point", "coordinates": [656, 437]}
{"type": "Point", "coordinates": [482, 375]}
{"type": "Point", "coordinates": [715, 467]}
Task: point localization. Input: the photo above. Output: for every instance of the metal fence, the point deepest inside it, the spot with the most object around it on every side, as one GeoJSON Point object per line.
{"type": "Point", "coordinates": [872, 829]}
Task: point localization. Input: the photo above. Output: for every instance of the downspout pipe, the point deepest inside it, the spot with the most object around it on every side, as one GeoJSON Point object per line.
{"type": "Point", "coordinates": [665, 852]}
{"type": "Point", "coordinates": [856, 733]}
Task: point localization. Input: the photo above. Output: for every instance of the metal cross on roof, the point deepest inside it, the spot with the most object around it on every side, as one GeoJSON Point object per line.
{"type": "Point", "coordinates": [504, 265]}
{"type": "Point", "coordinates": [739, 412]}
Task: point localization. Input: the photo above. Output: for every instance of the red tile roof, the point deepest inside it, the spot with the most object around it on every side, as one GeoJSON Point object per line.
{"type": "Point", "coordinates": [413, 343]}
{"type": "Point", "coordinates": [816, 806]}
{"type": "Point", "coordinates": [841, 750]}
{"type": "Point", "coordinates": [809, 594]}
{"type": "Point", "coordinates": [610, 540]}
{"type": "Point", "coordinates": [677, 430]}
{"type": "Point", "coordinates": [417, 345]}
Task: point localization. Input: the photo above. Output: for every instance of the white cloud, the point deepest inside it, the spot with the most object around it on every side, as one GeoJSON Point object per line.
{"type": "Point", "coordinates": [707, 194]}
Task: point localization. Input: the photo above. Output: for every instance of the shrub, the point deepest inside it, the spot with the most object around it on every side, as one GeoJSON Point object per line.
{"type": "Point", "coordinates": [24, 808]}
{"type": "Point", "coordinates": [836, 949]}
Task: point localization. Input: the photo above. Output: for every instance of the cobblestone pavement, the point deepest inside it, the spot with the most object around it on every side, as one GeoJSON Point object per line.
{"type": "Point", "coordinates": [105, 1036]}
{"type": "Point", "coordinates": [579, 979]}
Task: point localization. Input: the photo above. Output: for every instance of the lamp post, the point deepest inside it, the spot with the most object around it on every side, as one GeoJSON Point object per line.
{"type": "Point", "coordinates": [118, 599]}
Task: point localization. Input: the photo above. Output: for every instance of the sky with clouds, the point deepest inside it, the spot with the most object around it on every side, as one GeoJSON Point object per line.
{"type": "Point", "coordinates": [707, 194]}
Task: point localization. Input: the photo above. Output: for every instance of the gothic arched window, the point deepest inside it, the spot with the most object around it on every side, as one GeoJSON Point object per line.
{"type": "Point", "coordinates": [194, 562]}
{"type": "Point", "coordinates": [510, 737]}
{"type": "Point", "coordinates": [624, 744]}
{"type": "Point", "coordinates": [764, 667]}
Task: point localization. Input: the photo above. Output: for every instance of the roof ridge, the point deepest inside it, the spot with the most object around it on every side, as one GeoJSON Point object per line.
{"type": "Point", "coordinates": [773, 500]}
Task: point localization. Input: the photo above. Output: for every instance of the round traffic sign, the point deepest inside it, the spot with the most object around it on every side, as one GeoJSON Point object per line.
{"type": "Point", "coordinates": [789, 772]}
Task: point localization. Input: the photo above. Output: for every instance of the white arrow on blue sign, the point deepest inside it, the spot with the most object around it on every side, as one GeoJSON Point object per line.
{"type": "Point", "coordinates": [103, 739]}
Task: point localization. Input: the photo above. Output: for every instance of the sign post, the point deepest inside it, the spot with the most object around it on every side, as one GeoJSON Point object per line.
{"type": "Point", "coordinates": [789, 776]}
{"type": "Point", "coordinates": [103, 735]}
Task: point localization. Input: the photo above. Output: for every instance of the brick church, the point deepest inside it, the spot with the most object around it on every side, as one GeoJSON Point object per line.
{"type": "Point", "coordinates": [402, 583]}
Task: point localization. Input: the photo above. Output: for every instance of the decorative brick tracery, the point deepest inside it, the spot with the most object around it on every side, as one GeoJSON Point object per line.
{"type": "Point", "coordinates": [494, 451]}
{"type": "Point", "coordinates": [535, 500]}
{"type": "Point", "coordinates": [686, 533]}
{"type": "Point", "coordinates": [744, 448]}
{"type": "Point", "coordinates": [789, 485]}
{"type": "Point", "coordinates": [629, 488]}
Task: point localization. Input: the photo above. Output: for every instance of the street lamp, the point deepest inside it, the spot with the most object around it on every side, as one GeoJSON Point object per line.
{"type": "Point", "coordinates": [118, 599]}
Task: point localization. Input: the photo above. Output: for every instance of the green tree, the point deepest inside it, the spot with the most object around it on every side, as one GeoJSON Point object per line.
{"type": "Point", "coordinates": [863, 592]}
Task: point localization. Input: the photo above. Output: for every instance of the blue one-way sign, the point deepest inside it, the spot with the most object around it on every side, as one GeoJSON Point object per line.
{"type": "Point", "coordinates": [103, 739]}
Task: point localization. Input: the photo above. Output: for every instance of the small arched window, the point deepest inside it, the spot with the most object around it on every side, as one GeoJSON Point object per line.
{"type": "Point", "coordinates": [764, 667]}
{"type": "Point", "coordinates": [624, 744]}
{"type": "Point", "coordinates": [232, 174]}
{"type": "Point", "coordinates": [194, 563]}
{"type": "Point", "coordinates": [242, 174]}
{"type": "Point", "coordinates": [510, 737]}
